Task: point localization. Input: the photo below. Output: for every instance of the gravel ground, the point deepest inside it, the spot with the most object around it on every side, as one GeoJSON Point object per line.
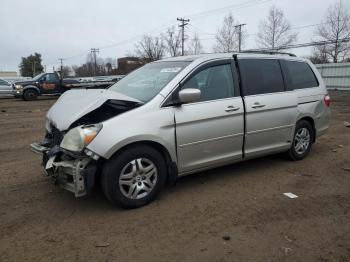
{"type": "Point", "coordinates": [234, 213]}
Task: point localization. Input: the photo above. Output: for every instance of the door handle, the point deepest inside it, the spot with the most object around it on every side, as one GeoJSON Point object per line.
{"type": "Point", "coordinates": [257, 105]}
{"type": "Point", "coordinates": [231, 109]}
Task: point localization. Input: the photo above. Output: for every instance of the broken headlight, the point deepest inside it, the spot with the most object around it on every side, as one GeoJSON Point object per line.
{"type": "Point", "coordinates": [79, 137]}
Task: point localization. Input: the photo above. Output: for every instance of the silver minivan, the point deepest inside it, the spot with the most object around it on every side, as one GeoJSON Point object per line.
{"type": "Point", "coordinates": [5, 87]}
{"type": "Point", "coordinates": [180, 116]}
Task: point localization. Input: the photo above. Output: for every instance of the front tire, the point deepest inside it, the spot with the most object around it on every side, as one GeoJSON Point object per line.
{"type": "Point", "coordinates": [30, 95]}
{"type": "Point", "coordinates": [134, 177]}
{"type": "Point", "coordinates": [302, 140]}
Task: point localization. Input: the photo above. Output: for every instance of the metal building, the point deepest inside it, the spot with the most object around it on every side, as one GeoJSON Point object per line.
{"type": "Point", "coordinates": [335, 75]}
{"type": "Point", "coordinates": [8, 74]}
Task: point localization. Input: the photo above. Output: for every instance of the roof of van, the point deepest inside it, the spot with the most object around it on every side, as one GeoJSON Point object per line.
{"type": "Point", "coordinates": [211, 56]}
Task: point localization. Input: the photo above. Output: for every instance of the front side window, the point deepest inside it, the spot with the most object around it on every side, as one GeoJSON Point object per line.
{"type": "Point", "coordinates": [261, 76]}
{"type": "Point", "coordinates": [146, 82]}
{"type": "Point", "coordinates": [215, 82]}
{"type": "Point", "coordinates": [51, 78]}
{"type": "Point", "coordinates": [298, 75]}
{"type": "Point", "coordinates": [36, 78]}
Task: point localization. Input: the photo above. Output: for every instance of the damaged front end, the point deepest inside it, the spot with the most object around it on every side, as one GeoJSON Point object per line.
{"type": "Point", "coordinates": [65, 156]}
{"type": "Point", "coordinates": [74, 172]}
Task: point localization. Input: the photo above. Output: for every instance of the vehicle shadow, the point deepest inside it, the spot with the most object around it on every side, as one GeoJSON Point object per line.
{"type": "Point", "coordinates": [40, 98]}
{"type": "Point", "coordinates": [7, 97]}
{"type": "Point", "coordinates": [96, 200]}
{"type": "Point", "coordinates": [236, 169]}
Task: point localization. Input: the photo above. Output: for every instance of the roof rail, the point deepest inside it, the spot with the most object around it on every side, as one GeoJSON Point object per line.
{"type": "Point", "coordinates": [267, 52]}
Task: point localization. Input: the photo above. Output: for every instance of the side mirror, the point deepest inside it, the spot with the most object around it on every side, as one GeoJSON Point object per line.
{"type": "Point", "coordinates": [189, 95]}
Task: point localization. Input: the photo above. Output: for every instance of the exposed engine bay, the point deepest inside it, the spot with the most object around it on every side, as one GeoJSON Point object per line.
{"type": "Point", "coordinates": [76, 170]}
{"type": "Point", "coordinates": [109, 109]}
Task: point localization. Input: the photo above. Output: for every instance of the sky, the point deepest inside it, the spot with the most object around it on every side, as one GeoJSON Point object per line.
{"type": "Point", "coordinates": [70, 28]}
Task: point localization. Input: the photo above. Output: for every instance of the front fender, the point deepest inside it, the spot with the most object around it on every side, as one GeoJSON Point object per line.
{"type": "Point", "coordinates": [143, 124]}
{"type": "Point", "coordinates": [31, 87]}
{"type": "Point", "coordinates": [140, 139]}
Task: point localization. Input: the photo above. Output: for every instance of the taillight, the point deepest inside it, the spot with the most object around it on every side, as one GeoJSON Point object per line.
{"type": "Point", "coordinates": [327, 100]}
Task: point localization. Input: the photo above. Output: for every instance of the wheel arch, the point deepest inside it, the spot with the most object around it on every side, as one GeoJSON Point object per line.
{"type": "Point", "coordinates": [31, 87]}
{"type": "Point", "coordinates": [312, 122]}
{"type": "Point", "coordinates": [170, 163]}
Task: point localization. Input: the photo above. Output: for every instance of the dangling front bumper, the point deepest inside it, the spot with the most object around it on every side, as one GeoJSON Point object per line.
{"type": "Point", "coordinates": [73, 173]}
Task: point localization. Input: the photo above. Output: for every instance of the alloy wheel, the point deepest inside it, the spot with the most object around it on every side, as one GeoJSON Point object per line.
{"type": "Point", "coordinates": [302, 140]}
{"type": "Point", "coordinates": [138, 178]}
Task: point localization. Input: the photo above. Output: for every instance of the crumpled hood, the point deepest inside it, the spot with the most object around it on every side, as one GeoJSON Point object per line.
{"type": "Point", "coordinates": [74, 104]}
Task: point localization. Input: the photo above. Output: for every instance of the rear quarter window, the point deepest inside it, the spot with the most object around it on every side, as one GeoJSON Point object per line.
{"type": "Point", "coordinates": [261, 76]}
{"type": "Point", "coordinates": [298, 75]}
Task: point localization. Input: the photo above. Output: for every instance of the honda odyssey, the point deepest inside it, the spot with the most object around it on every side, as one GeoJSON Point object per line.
{"type": "Point", "coordinates": [179, 116]}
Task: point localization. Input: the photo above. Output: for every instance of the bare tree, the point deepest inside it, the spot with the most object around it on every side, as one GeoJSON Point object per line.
{"type": "Point", "coordinates": [275, 31]}
{"type": "Point", "coordinates": [172, 41]}
{"type": "Point", "coordinates": [89, 68]}
{"type": "Point", "coordinates": [195, 47]}
{"type": "Point", "coordinates": [319, 55]}
{"type": "Point", "coordinates": [227, 35]}
{"type": "Point", "coordinates": [109, 65]}
{"type": "Point", "coordinates": [335, 27]}
{"type": "Point", "coordinates": [150, 48]}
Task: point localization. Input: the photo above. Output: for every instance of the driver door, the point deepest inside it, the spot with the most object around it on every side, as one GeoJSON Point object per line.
{"type": "Point", "coordinates": [50, 83]}
{"type": "Point", "coordinates": [210, 132]}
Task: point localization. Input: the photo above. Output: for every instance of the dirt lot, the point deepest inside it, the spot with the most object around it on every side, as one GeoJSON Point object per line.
{"type": "Point", "coordinates": [235, 213]}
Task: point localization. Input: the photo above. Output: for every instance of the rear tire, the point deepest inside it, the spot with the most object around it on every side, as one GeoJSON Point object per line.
{"type": "Point", "coordinates": [134, 177]}
{"type": "Point", "coordinates": [30, 95]}
{"type": "Point", "coordinates": [302, 140]}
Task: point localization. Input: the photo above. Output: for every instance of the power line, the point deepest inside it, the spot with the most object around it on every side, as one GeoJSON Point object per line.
{"type": "Point", "coordinates": [208, 38]}
{"type": "Point", "coordinates": [200, 30]}
{"type": "Point", "coordinates": [128, 40]}
{"type": "Point", "coordinates": [227, 8]}
{"type": "Point", "coordinates": [252, 34]}
{"type": "Point", "coordinates": [194, 15]}
{"type": "Point", "coordinates": [184, 22]}
{"type": "Point", "coordinates": [298, 27]}
{"type": "Point", "coordinates": [314, 43]}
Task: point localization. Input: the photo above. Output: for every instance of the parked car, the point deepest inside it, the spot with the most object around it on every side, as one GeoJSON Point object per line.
{"type": "Point", "coordinates": [50, 84]}
{"type": "Point", "coordinates": [197, 113]}
{"type": "Point", "coordinates": [5, 87]}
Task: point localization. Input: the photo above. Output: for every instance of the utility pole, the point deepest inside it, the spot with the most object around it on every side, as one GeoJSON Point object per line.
{"type": "Point", "coordinates": [239, 36]}
{"type": "Point", "coordinates": [33, 67]}
{"type": "Point", "coordinates": [94, 51]}
{"type": "Point", "coordinates": [61, 60]}
{"type": "Point", "coordinates": [184, 22]}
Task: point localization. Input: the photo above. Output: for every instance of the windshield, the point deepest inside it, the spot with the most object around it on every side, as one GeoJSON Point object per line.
{"type": "Point", "coordinates": [38, 76]}
{"type": "Point", "coordinates": [146, 82]}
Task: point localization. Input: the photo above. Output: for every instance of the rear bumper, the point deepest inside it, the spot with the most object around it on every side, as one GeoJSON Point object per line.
{"type": "Point", "coordinates": [322, 122]}
{"type": "Point", "coordinates": [321, 132]}
{"type": "Point", "coordinates": [75, 174]}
